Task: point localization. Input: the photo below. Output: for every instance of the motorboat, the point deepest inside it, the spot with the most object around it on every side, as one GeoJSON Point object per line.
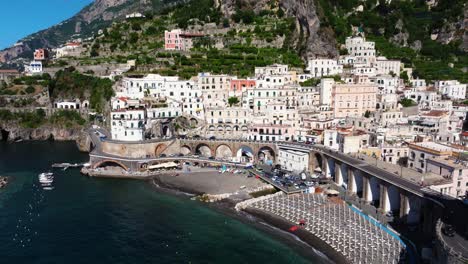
{"type": "Point", "coordinates": [46, 178]}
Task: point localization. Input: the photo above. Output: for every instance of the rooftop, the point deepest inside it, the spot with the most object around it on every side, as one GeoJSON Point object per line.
{"type": "Point", "coordinates": [450, 162]}
{"type": "Point", "coordinates": [433, 146]}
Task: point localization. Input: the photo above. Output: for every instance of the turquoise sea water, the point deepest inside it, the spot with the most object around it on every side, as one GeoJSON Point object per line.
{"type": "Point", "coordinates": [88, 220]}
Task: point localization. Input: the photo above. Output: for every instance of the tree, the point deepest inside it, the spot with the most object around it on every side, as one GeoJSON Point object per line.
{"type": "Point", "coordinates": [367, 114]}
{"type": "Point", "coordinates": [233, 100]}
{"type": "Point", "coordinates": [406, 102]}
{"type": "Point", "coordinates": [30, 89]}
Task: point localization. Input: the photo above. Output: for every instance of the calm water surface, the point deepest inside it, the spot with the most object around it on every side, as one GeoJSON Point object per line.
{"type": "Point", "coordinates": [87, 220]}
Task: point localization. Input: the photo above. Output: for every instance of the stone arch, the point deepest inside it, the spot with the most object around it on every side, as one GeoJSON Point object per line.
{"type": "Point", "coordinates": [159, 149]}
{"type": "Point", "coordinates": [186, 150]}
{"type": "Point", "coordinates": [223, 151]}
{"type": "Point", "coordinates": [193, 122]}
{"type": "Point", "coordinates": [203, 150]}
{"type": "Point", "coordinates": [245, 154]}
{"type": "Point", "coordinates": [105, 163]}
{"type": "Point", "coordinates": [166, 131]}
{"type": "Point", "coordinates": [266, 154]}
{"type": "Point", "coordinates": [212, 128]}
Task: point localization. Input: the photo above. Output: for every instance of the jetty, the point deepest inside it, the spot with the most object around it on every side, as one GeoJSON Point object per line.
{"type": "Point", "coordinates": [65, 166]}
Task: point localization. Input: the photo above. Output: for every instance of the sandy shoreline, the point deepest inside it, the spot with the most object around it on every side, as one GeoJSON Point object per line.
{"type": "Point", "coordinates": [212, 182]}
{"type": "Point", "coordinates": [308, 244]}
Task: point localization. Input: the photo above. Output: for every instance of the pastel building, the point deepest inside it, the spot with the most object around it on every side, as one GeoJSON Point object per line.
{"type": "Point", "coordinates": [41, 55]}
{"type": "Point", "coordinates": [353, 99]}
{"type": "Point", "coordinates": [239, 86]}
{"type": "Point", "coordinates": [177, 39]}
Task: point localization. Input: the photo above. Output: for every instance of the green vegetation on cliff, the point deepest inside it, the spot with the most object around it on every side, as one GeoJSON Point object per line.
{"type": "Point", "coordinates": [402, 30]}
{"type": "Point", "coordinates": [37, 118]}
{"type": "Point", "coordinates": [69, 83]}
{"type": "Point", "coordinates": [257, 40]}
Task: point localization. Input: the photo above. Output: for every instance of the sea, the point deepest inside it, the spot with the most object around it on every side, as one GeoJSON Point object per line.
{"type": "Point", "coordinates": [92, 220]}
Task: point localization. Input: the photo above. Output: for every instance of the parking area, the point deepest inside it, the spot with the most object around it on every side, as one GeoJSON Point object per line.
{"type": "Point", "coordinates": [290, 182]}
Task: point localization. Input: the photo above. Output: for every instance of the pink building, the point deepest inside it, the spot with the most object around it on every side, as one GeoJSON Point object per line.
{"type": "Point", "coordinates": [177, 39]}
{"type": "Point", "coordinates": [238, 86]}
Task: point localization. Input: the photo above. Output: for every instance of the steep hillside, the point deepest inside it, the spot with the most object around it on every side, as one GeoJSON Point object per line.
{"type": "Point", "coordinates": [428, 35]}
{"type": "Point", "coordinates": [86, 23]}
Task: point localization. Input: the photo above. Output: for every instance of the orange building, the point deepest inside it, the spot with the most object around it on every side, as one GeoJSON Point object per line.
{"type": "Point", "coordinates": [41, 54]}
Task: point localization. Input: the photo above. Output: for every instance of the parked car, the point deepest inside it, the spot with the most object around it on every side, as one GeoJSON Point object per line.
{"type": "Point", "coordinates": [212, 138]}
{"type": "Point", "coordinates": [162, 155]}
{"type": "Point", "coordinates": [211, 158]}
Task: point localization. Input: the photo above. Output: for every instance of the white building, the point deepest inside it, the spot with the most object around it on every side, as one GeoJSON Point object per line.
{"type": "Point", "coordinates": [452, 89]}
{"type": "Point", "coordinates": [324, 67]}
{"type": "Point", "coordinates": [35, 67]}
{"type": "Point", "coordinates": [72, 49]}
{"type": "Point", "coordinates": [128, 124]}
{"type": "Point", "coordinates": [388, 67]}
{"type": "Point", "coordinates": [363, 50]}
{"type": "Point", "coordinates": [294, 161]}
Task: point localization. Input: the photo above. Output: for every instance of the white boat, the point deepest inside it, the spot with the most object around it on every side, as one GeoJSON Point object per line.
{"type": "Point", "coordinates": [48, 188]}
{"type": "Point", "coordinates": [46, 178]}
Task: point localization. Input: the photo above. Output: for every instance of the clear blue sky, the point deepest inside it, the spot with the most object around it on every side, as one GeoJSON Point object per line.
{"type": "Point", "coordinates": [19, 18]}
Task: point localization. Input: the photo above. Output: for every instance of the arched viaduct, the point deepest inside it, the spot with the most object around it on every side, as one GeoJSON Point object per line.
{"type": "Point", "coordinates": [366, 186]}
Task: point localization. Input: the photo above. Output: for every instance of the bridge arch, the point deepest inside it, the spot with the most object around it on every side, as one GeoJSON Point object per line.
{"type": "Point", "coordinates": [186, 150]}
{"type": "Point", "coordinates": [318, 163]}
{"type": "Point", "coordinates": [108, 162]}
{"type": "Point", "coordinates": [224, 151]}
{"type": "Point", "coordinates": [374, 191]}
{"type": "Point", "coordinates": [266, 153]}
{"type": "Point", "coordinates": [166, 131]}
{"type": "Point", "coordinates": [203, 150]}
{"type": "Point", "coordinates": [245, 154]}
{"type": "Point", "coordinates": [159, 149]}
{"type": "Point", "coordinates": [393, 199]}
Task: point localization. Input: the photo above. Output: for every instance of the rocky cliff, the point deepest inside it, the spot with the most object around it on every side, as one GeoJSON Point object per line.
{"type": "Point", "coordinates": [12, 132]}
{"type": "Point", "coordinates": [309, 39]}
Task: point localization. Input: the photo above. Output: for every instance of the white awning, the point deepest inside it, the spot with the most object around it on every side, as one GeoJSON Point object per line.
{"type": "Point", "coordinates": [163, 165]}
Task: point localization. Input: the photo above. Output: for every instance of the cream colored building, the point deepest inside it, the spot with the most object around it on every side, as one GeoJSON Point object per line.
{"type": "Point", "coordinates": [215, 88]}
{"type": "Point", "coordinates": [353, 99]}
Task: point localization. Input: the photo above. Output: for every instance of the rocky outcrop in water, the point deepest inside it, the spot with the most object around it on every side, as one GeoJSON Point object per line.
{"type": "Point", "coordinates": [13, 132]}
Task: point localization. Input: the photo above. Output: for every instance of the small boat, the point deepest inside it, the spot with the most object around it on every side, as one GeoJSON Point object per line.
{"type": "Point", "coordinates": [48, 188]}
{"type": "Point", "coordinates": [18, 140]}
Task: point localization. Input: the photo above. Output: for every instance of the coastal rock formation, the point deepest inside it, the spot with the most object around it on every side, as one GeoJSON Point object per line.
{"type": "Point", "coordinates": [13, 132]}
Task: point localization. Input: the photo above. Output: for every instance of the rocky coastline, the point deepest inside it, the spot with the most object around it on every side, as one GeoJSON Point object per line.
{"type": "Point", "coordinates": [12, 132]}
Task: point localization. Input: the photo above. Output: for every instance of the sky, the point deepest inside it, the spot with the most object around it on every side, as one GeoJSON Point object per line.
{"type": "Point", "coordinates": [19, 18]}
